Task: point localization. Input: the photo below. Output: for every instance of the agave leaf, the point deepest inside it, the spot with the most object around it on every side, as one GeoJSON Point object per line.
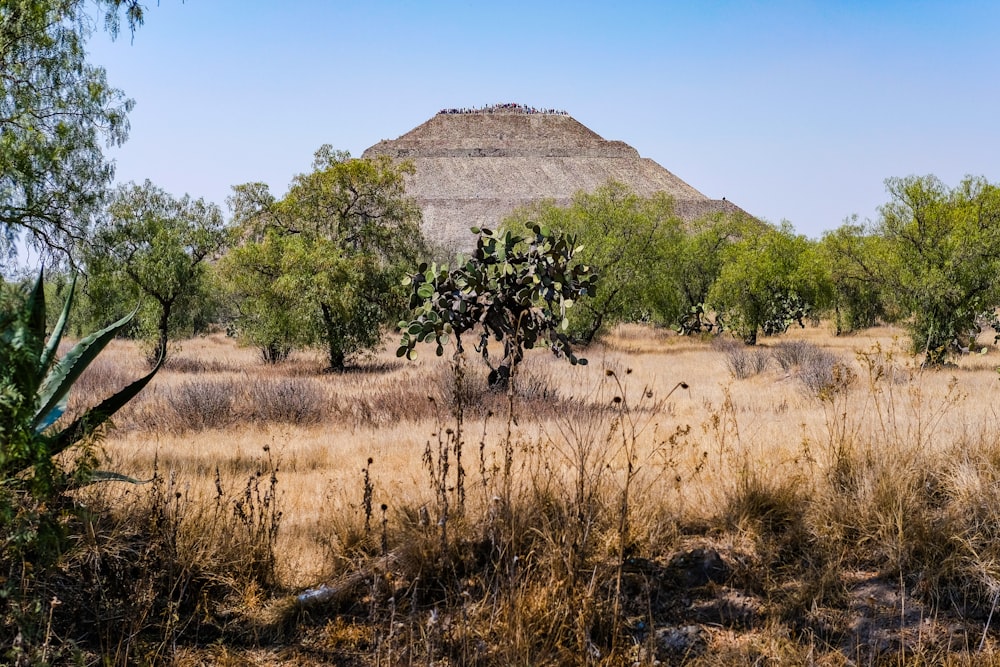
{"type": "Point", "coordinates": [65, 373]}
{"type": "Point", "coordinates": [95, 476]}
{"type": "Point", "coordinates": [93, 418]}
{"type": "Point", "coordinates": [57, 333]}
{"type": "Point", "coordinates": [36, 311]}
{"type": "Point", "coordinates": [53, 415]}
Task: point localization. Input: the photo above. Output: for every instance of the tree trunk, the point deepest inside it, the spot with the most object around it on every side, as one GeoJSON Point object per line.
{"type": "Point", "coordinates": [274, 352]}
{"type": "Point", "coordinates": [162, 328]}
{"type": "Point", "coordinates": [335, 350]}
{"type": "Point", "coordinates": [499, 379]}
{"type": "Point", "coordinates": [595, 326]}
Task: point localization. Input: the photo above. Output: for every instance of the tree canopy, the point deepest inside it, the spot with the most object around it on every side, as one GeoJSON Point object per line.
{"type": "Point", "coordinates": [769, 279]}
{"type": "Point", "coordinates": [850, 255]}
{"type": "Point", "coordinates": [56, 114]}
{"type": "Point", "coordinates": [324, 264]}
{"type": "Point", "coordinates": [152, 248]}
{"type": "Point", "coordinates": [934, 255]}
{"type": "Point", "coordinates": [629, 240]}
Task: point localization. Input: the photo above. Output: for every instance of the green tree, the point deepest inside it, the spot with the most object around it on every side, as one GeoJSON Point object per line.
{"type": "Point", "coordinates": [768, 280]}
{"type": "Point", "coordinates": [56, 113]}
{"type": "Point", "coordinates": [323, 265]}
{"type": "Point", "coordinates": [153, 248]}
{"type": "Point", "coordinates": [697, 262]}
{"type": "Point", "coordinates": [516, 289]}
{"type": "Point", "coordinates": [937, 258]}
{"type": "Point", "coordinates": [630, 241]}
{"type": "Point", "coordinates": [852, 256]}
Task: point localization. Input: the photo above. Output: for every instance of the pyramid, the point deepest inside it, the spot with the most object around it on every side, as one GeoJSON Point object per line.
{"type": "Point", "coordinates": [475, 166]}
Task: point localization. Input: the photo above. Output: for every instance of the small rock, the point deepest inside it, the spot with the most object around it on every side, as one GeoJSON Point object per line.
{"type": "Point", "coordinates": [684, 640]}
{"type": "Point", "coordinates": [697, 567]}
{"type": "Point", "coordinates": [728, 608]}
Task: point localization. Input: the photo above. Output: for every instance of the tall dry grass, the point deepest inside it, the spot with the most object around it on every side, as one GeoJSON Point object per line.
{"type": "Point", "coordinates": [558, 524]}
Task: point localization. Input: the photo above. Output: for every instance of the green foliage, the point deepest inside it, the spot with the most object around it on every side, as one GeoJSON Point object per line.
{"type": "Point", "coordinates": [256, 275]}
{"type": "Point", "coordinates": [937, 258]}
{"type": "Point", "coordinates": [323, 265]}
{"type": "Point", "coordinates": [769, 279]}
{"type": "Point", "coordinates": [630, 241]}
{"type": "Point", "coordinates": [699, 256]}
{"type": "Point", "coordinates": [56, 113]}
{"type": "Point", "coordinates": [34, 387]}
{"type": "Point", "coordinates": [932, 260]}
{"type": "Point", "coordinates": [34, 511]}
{"type": "Point", "coordinates": [152, 247]}
{"type": "Point", "coordinates": [850, 255]}
{"type": "Point", "coordinates": [697, 263]}
{"type": "Point", "coordinates": [518, 288]}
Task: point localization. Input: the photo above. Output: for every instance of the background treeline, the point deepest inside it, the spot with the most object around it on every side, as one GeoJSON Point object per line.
{"type": "Point", "coordinates": [322, 266]}
{"type": "Point", "coordinates": [930, 261]}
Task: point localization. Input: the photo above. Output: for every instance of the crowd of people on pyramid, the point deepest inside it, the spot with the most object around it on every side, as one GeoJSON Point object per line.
{"type": "Point", "coordinates": [512, 107]}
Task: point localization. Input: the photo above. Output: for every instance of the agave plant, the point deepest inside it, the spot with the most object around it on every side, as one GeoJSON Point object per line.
{"type": "Point", "coordinates": [34, 388]}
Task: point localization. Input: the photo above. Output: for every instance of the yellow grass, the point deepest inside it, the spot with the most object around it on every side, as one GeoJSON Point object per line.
{"type": "Point", "coordinates": [768, 422]}
{"type": "Point", "coordinates": [851, 471]}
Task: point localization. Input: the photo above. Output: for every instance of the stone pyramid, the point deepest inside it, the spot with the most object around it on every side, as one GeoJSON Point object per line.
{"type": "Point", "coordinates": [475, 166]}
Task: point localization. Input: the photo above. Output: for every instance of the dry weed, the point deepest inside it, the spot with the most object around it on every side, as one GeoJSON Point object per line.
{"type": "Point", "coordinates": [546, 526]}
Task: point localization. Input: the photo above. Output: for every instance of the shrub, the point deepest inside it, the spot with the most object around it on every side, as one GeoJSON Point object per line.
{"type": "Point", "coordinates": [195, 366]}
{"type": "Point", "coordinates": [743, 361]}
{"type": "Point", "coordinates": [766, 506]}
{"type": "Point", "coordinates": [822, 373]}
{"type": "Point", "coordinates": [534, 391]}
{"type": "Point", "coordinates": [102, 377]}
{"type": "Point", "coordinates": [286, 400]}
{"type": "Point", "coordinates": [792, 353]}
{"type": "Point", "coordinates": [37, 525]}
{"type": "Point", "coordinates": [201, 405]}
{"type": "Point", "coordinates": [160, 567]}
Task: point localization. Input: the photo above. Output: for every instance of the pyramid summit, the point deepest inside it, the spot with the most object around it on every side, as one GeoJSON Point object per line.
{"type": "Point", "coordinates": [475, 166]}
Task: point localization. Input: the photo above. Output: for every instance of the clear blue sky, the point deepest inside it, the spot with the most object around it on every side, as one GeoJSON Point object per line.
{"type": "Point", "coordinates": [793, 110]}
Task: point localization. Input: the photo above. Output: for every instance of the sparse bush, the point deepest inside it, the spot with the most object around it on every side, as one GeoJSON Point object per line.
{"type": "Point", "coordinates": [819, 370]}
{"type": "Point", "coordinates": [792, 353]}
{"type": "Point", "coordinates": [202, 404]}
{"type": "Point", "coordinates": [286, 400]}
{"type": "Point", "coordinates": [379, 404]}
{"type": "Point", "coordinates": [536, 384]}
{"type": "Point", "coordinates": [253, 531]}
{"type": "Point", "coordinates": [533, 384]}
{"type": "Point", "coordinates": [763, 504]}
{"type": "Point", "coordinates": [876, 512]}
{"type": "Point", "coordinates": [160, 568]}
{"type": "Point", "coordinates": [743, 361]}
{"type": "Point", "coordinates": [823, 374]}
{"type": "Point", "coordinates": [102, 377]}
{"type": "Point", "coordinates": [767, 509]}
{"type": "Point", "coordinates": [970, 483]}
{"type": "Point", "coordinates": [195, 365]}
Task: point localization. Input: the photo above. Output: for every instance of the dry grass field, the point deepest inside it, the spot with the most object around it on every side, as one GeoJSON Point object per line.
{"type": "Point", "coordinates": [814, 500]}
